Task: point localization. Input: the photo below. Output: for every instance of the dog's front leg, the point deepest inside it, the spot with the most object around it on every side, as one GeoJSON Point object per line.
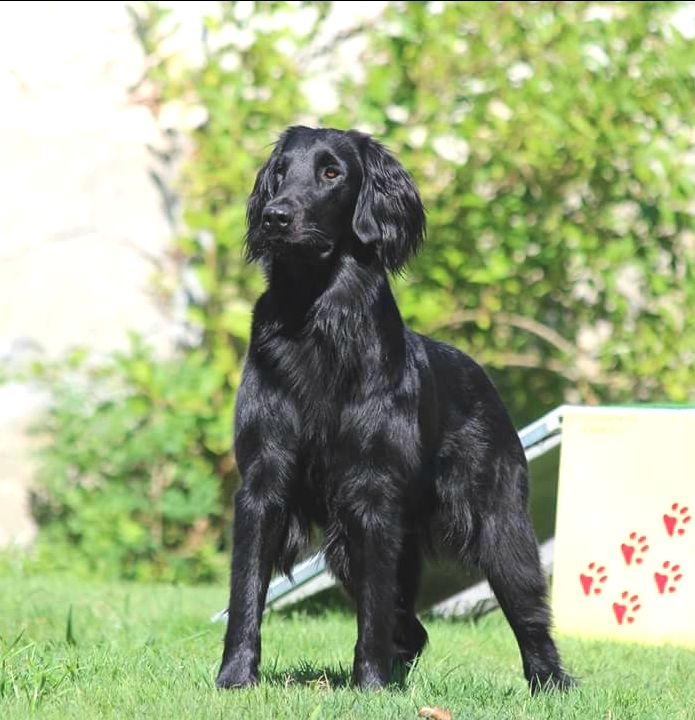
{"type": "Point", "coordinates": [259, 524]}
{"type": "Point", "coordinates": [374, 538]}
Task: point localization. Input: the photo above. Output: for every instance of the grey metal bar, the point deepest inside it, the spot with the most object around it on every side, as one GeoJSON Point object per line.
{"type": "Point", "coordinates": [301, 574]}
{"type": "Point", "coordinates": [542, 447]}
{"type": "Point", "coordinates": [543, 428]}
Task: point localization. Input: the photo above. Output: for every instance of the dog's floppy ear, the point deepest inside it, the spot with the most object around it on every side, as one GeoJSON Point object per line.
{"type": "Point", "coordinates": [389, 212]}
{"type": "Point", "coordinates": [263, 191]}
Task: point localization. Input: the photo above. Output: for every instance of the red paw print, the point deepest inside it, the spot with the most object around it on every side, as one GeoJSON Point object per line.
{"type": "Point", "coordinates": [635, 549]}
{"type": "Point", "coordinates": [627, 608]}
{"type": "Point", "coordinates": [675, 522]}
{"type": "Point", "coordinates": [669, 578]}
{"type": "Point", "coordinates": [594, 576]}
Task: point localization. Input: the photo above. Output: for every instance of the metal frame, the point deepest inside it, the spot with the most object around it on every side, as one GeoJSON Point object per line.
{"type": "Point", "coordinates": [312, 575]}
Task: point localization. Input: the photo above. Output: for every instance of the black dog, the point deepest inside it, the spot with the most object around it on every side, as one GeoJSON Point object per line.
{"type": "Point", "coordinates": [347, 419]}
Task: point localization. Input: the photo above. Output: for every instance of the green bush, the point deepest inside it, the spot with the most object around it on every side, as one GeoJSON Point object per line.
{"type": "Point", "coordinates": [129, 482]}
{"type": "Point", "coordinates": [553, 146]}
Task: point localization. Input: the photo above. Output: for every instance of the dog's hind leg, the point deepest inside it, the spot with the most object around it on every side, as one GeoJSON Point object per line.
{"type": "Point", "coordinates": [410, 637]}
{"type": "Point", "coordinates": [508, 553]}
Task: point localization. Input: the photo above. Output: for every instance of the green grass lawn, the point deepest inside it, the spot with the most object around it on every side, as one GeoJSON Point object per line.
{"type": "Point", "coordinates": [70, 649]}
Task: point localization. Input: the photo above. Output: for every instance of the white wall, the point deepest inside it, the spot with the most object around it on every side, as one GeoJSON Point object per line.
{"type": "Point", "coordinates": [79, 216]}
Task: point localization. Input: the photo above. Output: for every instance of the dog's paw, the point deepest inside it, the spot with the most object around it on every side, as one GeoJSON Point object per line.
{"type": "Point", "coordinates": [231, 678]}
{"type": "Point", "coordinates": [371, 676]}
{"type": "Point", "coordinates": [370, 682]}
{"type": "Point", "coordinates": [552, 681]}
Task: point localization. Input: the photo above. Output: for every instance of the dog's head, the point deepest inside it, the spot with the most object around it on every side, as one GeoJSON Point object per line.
{"type": "Point", "coordinates": [323, 192]}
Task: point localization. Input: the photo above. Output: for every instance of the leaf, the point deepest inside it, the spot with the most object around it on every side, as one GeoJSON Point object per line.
{"type": "Point", "coordinates": [69, 629]}
{"type": "Point", "coordinates": [435, 713]}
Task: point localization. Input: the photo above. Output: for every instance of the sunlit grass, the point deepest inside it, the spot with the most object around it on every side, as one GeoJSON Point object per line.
{"type": "Point", "coordinates": [71, 649]}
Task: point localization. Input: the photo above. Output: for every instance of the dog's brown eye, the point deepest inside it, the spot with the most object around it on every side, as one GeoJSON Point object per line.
{"type": "Point", "coordinates": [331, 173]}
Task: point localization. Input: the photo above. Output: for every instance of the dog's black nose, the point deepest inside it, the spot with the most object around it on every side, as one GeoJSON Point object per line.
{"type": "Point", "coordinates": [276, 217]}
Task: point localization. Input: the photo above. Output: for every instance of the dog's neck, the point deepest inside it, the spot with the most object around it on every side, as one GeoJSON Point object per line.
{"type": "Point", "coordinates": [295, 286]}
{"type": "Point", "coordinates": [345, 304]}
{"type": "Point", "coordinates": [302, 292]}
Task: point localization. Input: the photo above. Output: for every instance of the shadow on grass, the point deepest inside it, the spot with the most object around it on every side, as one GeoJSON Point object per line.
{"type": "Point", "coordinates": [327, 678]}
{"type": "Point", "coordinates": [310, 675]}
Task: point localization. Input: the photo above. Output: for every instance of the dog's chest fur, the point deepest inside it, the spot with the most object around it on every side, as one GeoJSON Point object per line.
{"type": "Point", "coordinates": [340, 372]}
{"type": "Point", "coordinates": [325, 372]}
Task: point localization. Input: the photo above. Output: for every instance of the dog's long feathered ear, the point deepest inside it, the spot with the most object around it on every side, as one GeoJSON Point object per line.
{"type": "Point", "coordinates": [263, 190]}
{"type": "Point", "coordinates": [389, 212]}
